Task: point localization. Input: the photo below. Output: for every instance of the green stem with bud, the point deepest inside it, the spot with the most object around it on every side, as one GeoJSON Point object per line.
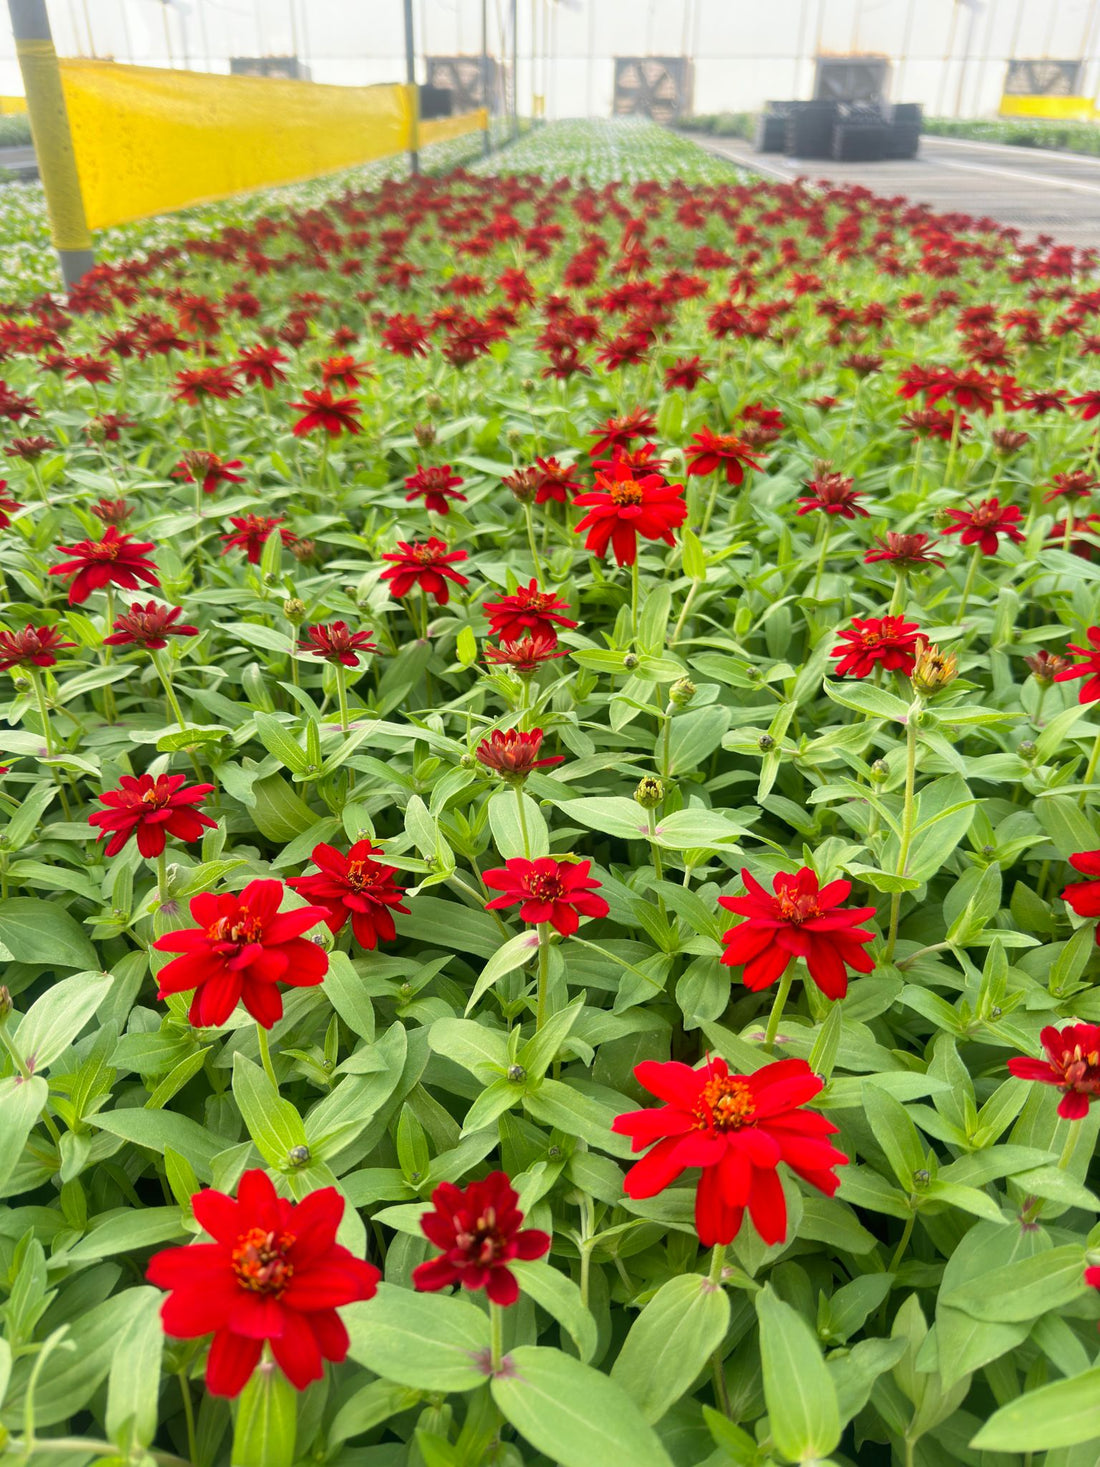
{"type": "Point", "coordinates": [777, 1007]}
{"type": "Point", "coordinates": [908, 819]}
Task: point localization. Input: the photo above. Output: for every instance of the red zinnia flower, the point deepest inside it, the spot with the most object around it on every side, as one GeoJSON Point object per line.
{"type": "Point", "coordinates": [709, 452]}
{"type": "Point", "coordinates": [527, 611]}
{"type": "Point", "coordinates": [354, 886]}
{"type": "Point", "coordinates": [151, 809]}
{"type": "Point", "coordinates": [1076, 485]}
{"type": "Point", "coordinates": [322, 410]}
{"type": "Point", "coordinates": [242, 949]}
{"type": "Point", "coordinates": [833, 494]}
{"type": "Point", "coordinates": [437, 484]}
{"type": "Point", "coordinates": [514, 753]}
{"type": "Point", "coordinates": [32, 647]}
{"type": "Point", "coordinates": [903, 550]}
{"type": "Point", "coordinates": [1089, 402]}
{"type": "Point", "coordinates": [478, 1228]}
{"type": "Point", "coordinates": [623, 507]}
{"type": "Point", "coordinates": [982, 523]}
{"type": "Point", "coordinates": [252, 531]}
{"type": "Point", "coordinates": [148, 626]}
{"type": "Point", "coordinates": [1072, 1063]}
{"type": "Point", "coordinates": [685, 372]}
{"type": "Point", "coordinates": [526, 655]}
{"type": "Point", "coordinates": [621, 432]}
{"type": "Point", "coordinates": [800, 920]}
{"type": "Point", "coordinates": [28, 448]}
{"type": "Point", "coordinates": [200, 466]}
{"type": "Point", "coordinates": [427, 564]}
{"type": "Point", "coordinates": [345, 372]}
{"type": "Point", "coordinates": [554, 480]}
{"type": "Point", "coordinates": [112, 511]}
{"type": "Point", "coordinates": [337, 643]}
{"type": "Point", "coordinates": [195, 385]}
{"type": "Point", "coordinates": [737, 1129]}
{"type": "Point", "coordinates": [1089, 669]}
{"type": "Point", "coordinates": [8, 506]}
{"type": "Point", "coordinates": [889, 641]}
{"type": "Point", "coordinates": [546, 890]}
{"type": "Point", "coordinates": [116, 560]}
{"type": "Point", "coordinates": [261, 364]}
{"type": "Point", "coordinates": [274, 1272]}
{"type": "Point", "coordinates": [1084, 896]}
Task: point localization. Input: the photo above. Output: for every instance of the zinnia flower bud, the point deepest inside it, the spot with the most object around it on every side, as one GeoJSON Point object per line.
{"type": "Point", "coordinates": [294, 611]}
{"type": "Point", "coordinates": [649, 793]}
{"type": "Point", "coordinates": [424, 433]}
{"type": "Point", "coordinates": [682, 692]}
{"type": "Point", "coordinates": [933, 670]}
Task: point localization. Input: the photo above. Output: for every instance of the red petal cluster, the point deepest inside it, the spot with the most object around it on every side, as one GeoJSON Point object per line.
{"type": "Point", "coordinates": [479, 1229]}
{"type": "Point", "coordinates": [274, 1273]}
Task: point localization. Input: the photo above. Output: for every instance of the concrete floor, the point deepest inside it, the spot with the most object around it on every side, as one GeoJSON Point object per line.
{"type": "Point", "coordinates": [1037, 191]}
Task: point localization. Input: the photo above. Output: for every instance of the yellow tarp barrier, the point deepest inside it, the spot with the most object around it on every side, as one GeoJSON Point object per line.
{"type": "Point", "coordinates": [9, 106]}
{"type": "Point", "coordinates": [442, 129]}
{"type": "Point", "coordinates": [1050, 109]}
{"type": "Point", "coordinates": [148, 141]}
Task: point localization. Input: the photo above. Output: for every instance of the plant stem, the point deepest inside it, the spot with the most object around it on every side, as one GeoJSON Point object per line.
{"type": "Point", "coordinates": [969, 585]}
{"type": "Point", "coordinates": [109, 618]}
{"type": "Point", "coordinates": [1073, 1135]}
{"type": "Point", "coordinates": [530, 521]}
{"type": "Point", "coordinates": [956, 425]}
{"type": "Point", "coordinates": [907, 818]}
{"type": "Point", "coordinates": [43, 713]}
{"type": "Point", "coordinates": [903, 1243]}
{"type": "Point", "coordinates": [265, 1054]}
{"type": "Point", "coordinates": [169, 692]}
{"type": "Point", "coordinates": [821, 558]}
{"type": "Point", "coordinates": [688, 599]}
{"type": "Point", "coordinates": [189, 1416]}
{"type": "Point", "coordinates": [544, 974]}
{"type": "Point", "coordinates": [777, 1007]}
{"type": "Point", "coordinates": [717, 1262]}
{"type": "Point", "coordinates": [1090, 771]}
{"type": "Point", "coordinates": [496, 1328]}
{"type": "Point", "coordinates": [634, 601]}
{"type": "Point", "coordinates": [342, 695]}
{"type": "Point", "coordinates": [522, 820]}
{"type": "Point", "coordinates": [711, 502]}
{"type": "Point", "coordinates": [721, 1394]}
{"type": "Point", "coordinates": [897, 599]}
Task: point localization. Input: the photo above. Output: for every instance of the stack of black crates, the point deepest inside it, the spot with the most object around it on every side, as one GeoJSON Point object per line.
{"type": "Point", "coordinates": [848, 132]}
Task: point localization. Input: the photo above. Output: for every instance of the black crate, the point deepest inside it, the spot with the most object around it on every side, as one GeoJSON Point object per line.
{"type": "Point", "coordinates": [436, 102]}
{"type": "Point", "coordinates": [810, 129]}
{"type": "Point", "coordinates": [858, 142]}
{"type": "Point", "coordinates": [779, 109]}
{"type": "Point", "coordinates": [771, 134]}
{"type": "Point", "coordinates": [902, 140]}
{"type": "Point", "coordinates": [905, 114]}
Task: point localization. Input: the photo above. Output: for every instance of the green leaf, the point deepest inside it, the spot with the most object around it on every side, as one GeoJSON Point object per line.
{"type": "Point", "coordinates": [556, 1292]}
{"type": "Point", "coordinates": [671, 1341]}
{"type": "Point", "coordinates": [127, 1231]}
{"type": "Point", "coordinates": [21, 1103]}
{"type": "Point", "coordinates": [52, 1023]}
{"type": "Point", "coordinates": [133, 1384]}
{"type": "Point", "coordinates": [267, 1410]}
{"type": "Point", "coordinates": [156, 1129]}
{"type": "Point", "coordinates": [368, 1408]}
{"type": "Point", "coordinates": [273, 1123]}
{"type": "Point", "coordinates": [1058, 1415]}
{"type": "Point", "coordinates": [466, 647]}
{"type": "Point", "coordinates": [346, 992]}
{"type": "Point", "coordinates": [573, 1414]}
{"type": "Point", "coordinates": [1024, 1289]}
{"type": "Point", "coordinates": [277, 740]}
{"type": "Point", "coordinates": [507, 958]}
{"type": "Point", "coordinates": [427, 1341]}
{"type": "Point", "coordinates": [864, 698]}
{"type": "Point", "coordinates": [507, 831]}
{"type": "Point", "coordinates": [694, 557]}
{"type": "Point", "coordinates": [798, 1390]}
{"type": "Point", "coordinates": [895, 1133]}
{"type": "Point", "coordinates": [37, 931]}
{"type": "Point", "coordinates": [559, 1106]}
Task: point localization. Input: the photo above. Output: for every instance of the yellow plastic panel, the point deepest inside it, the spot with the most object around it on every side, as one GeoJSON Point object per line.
{"type": "Point", "coordinates": [148, 141]}
{"type": "Point", "coordinates": [442, 129]}
{"type": "Point", "coordinates": [1051, 109]}
{"type": "Point", "coordinates": [11, 105]}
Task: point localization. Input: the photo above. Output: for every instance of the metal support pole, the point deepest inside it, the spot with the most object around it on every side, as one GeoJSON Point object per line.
{"type": "Point", "coordinates": [53, 142]}
{"type": "Point", "coordinates": [414, 95]}
{"type": "Point", "coordinates": [485, 145]}
{"type": "Point", "coordinates": [515, 70]}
